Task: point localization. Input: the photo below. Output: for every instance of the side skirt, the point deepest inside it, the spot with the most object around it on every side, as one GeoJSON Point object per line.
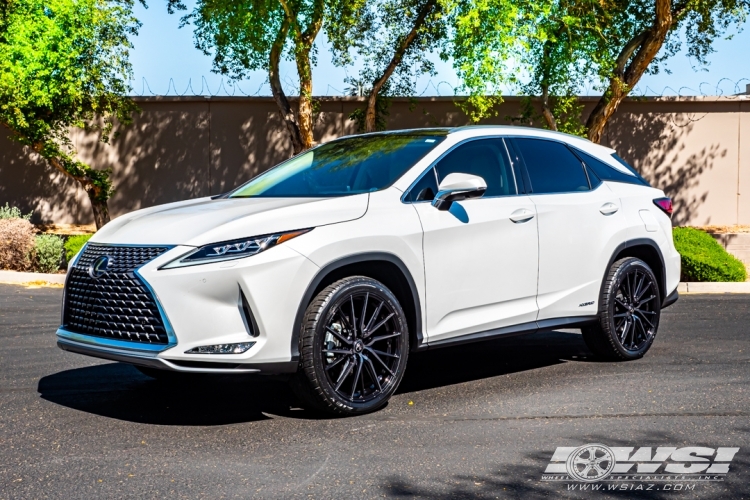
{"type": "Point", "coordinates": [544, 325]}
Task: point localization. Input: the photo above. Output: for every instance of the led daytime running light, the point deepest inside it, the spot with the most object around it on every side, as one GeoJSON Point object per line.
{"type": "Point", "coordinates": [221, 348]}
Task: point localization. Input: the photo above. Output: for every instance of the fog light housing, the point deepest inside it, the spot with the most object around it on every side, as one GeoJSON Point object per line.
{"type": "Point", "coordinates": [221, 348]}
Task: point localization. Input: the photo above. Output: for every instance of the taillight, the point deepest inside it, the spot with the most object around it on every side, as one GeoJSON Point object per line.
{"type": "Point", "coordinates": [665, 204]}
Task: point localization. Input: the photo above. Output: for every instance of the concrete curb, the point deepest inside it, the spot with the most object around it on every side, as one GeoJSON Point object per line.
{"type": "Point", "coordinates": [23, 278]}
{"type": "Point", "coordinates": [695, 287]}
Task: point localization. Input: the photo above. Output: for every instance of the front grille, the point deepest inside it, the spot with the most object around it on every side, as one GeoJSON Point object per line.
{"type": "Point", "coordinates": [117, 304]}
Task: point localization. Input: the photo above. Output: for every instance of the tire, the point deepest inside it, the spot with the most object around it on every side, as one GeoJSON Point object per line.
{"type": "Point", "coordinates": [352, 367]}
{"type": "Point", "coordinates": [629, 312]}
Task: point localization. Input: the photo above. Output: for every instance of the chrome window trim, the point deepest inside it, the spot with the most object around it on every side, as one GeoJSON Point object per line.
{"type": "Point", "coordinates": [124, 344]}
{"type": "Point", "coordinates": [448, 151]}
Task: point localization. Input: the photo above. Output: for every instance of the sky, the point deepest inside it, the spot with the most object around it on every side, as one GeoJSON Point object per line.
{"type": "Point", "coordinates": [166, 62]}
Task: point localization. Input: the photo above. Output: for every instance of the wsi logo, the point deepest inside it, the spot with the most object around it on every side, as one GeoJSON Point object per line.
{"type": "Point", "coordinates": [597, 462]}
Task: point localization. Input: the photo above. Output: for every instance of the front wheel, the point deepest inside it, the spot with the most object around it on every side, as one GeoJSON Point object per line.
{"type": "Point", "coordinates": [353, 347]}
{"type": "Point", "coordinates": [630, 307]}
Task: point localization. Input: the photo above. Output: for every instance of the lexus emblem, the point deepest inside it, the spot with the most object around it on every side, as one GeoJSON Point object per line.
{"type": "Point", "coordinates": [99, 266]}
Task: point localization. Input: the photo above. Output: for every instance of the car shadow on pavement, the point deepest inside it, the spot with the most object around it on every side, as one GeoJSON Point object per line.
{"type": "Point", "coordinates": [120, 391]}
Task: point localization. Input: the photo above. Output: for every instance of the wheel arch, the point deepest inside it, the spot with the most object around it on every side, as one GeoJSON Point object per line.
{"type": "Point", "coordinates": [649, 252]}
{"type": "Point", "coordinates": [384, 267]}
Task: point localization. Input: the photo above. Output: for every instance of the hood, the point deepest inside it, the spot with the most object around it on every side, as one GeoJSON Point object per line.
{"type": "Point", "coordinates": [203, 221]}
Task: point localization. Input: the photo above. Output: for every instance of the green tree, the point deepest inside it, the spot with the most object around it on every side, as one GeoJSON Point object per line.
{"type": "Point", "coordinates": [614, 43]}
{"type": "Point", "coordinates": [63, 64]}
{"type": "Point", "coordinates": [247, 35]}
{"type": "Point", "coordinates": [642, 34]}
{"type": "Point", "coordinates": [393, 38]}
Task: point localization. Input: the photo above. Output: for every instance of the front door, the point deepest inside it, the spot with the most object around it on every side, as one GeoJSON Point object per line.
{"type": "Point", "coordinates": [481, 256]}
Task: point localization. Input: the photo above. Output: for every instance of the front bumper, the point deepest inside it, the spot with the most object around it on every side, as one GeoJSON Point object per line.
{"type": "Point", "coordinates": [203, 305]}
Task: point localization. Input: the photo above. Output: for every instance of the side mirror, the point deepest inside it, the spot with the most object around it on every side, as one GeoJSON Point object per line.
{"type": "Point", "coordinates": [457, 187]}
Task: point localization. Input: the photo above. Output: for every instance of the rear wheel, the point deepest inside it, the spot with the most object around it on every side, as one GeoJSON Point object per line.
{"type": "Point", "coordinates": [630, 307]}
{"type": "Point", "coordinates": [353, 347]}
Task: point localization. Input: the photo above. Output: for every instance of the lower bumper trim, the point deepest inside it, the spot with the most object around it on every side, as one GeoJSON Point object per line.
{"type": "Point", "coordinates": [150, 360]}
{"type": "Point", "coordinates": [671, 299]}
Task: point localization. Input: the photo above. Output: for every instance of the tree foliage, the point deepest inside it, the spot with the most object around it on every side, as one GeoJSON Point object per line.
{"type": "Point", "coordinates": [611, 43]}
{"type": "Point", "coordinates": [64, 63]}
{"type": "Point", "coordinates": [247, 35]}
{"type": "Point", "coordinates": [393, 39]}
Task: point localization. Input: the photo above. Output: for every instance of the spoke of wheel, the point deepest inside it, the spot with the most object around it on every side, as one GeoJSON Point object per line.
{"type": "Point", "coordinates": [344, 373]}
{"type": "Point", "coordinates": [335, 363]}
{"type": "Point", "coordinates": [602, 459]}
{"type": "Point", "coordinates": [356, 377]}
{"type": "Point", "coordinates": [585, 471]}
{"type": "Point", "coordinates": [624, 333]}
{"type": "Point", "coordinates": [629, 288]}
{"type": "Point", "coordinates": [643, 328]}
{"type": "Point", "coordinates": [373, 373]}
{"type": "Point", "coordinates": [638, 285]}
{"type": "Point", "coordinates": [644, 318]}
{"type": "Point", "coordinates": [374, 315]}
{"type": "Point", "coordinates": [336, 351]}
{"type": "Point", "coordinates": [374, 328]}
{"type": "Point", "coordinates": [354, 316]}
{"type": "Point", "coordinates": [338, 335]}
{"type": "Point", "coordinates": [384, 365]}
{"type": "Point", "coordinates": [644, 289]}
{"type": "Point", "coordinates": [344, 318]}
{"type": "Point", "coordinates": [622, 304]}
{"type": "Point", "coordinates": [621, 315]}
{"type": "Point", "coordinates": [646, 300]}
{"type": "Point", "coordinates": [381, 353]}
{"type": "Point", "coordinates": [622, 322]}
{"type": "Point", "coordinates": [382, 337]}
{"type": "Point", "coordinates": [364, 312]}
{"type": "Point", "coordinates": [599, 469]}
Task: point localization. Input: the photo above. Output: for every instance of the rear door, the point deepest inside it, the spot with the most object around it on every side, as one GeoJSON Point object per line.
{"type": "Point", "coordinates": [577, 220]}
{"type": "Point", "coordinates": [480, 256]}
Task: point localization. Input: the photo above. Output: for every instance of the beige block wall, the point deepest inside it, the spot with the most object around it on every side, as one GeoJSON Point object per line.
{"type": "Point", "coordinates": [696, 149]}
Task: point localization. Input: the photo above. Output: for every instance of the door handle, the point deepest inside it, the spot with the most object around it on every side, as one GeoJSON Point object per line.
{"type": "Point", "coordinates": [609, 208]}
{"type": "Point", "coordinates": [522, 215]}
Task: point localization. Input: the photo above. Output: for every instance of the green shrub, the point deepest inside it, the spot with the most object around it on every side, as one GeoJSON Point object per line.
{"type": "Point", "coordinates": [48, 253]}
{"type": "Point", "coordinates": [74, 244]}
{"type": "Point", "coordinates": [8, 212]}
{"type": "Point", "coordinates": [704, 259]}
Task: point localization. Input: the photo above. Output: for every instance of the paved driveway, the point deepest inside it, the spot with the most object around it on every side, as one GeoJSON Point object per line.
{"type": "Point", "coordinates": [478, 421]}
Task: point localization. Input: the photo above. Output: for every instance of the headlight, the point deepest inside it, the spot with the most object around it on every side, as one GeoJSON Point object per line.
{"type": "Point", "coordinates": [234, 249]}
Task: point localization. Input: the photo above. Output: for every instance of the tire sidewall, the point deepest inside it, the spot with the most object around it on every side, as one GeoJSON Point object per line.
{"type": "Point", "coordinates": [335, 299]}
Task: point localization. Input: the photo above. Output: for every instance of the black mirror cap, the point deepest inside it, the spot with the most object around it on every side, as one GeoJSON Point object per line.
{"type": "Point", "coordinates": [444, 199]}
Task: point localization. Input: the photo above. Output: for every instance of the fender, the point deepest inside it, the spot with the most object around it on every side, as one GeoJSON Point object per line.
{"type": "Point", "coordinates": [415, 337]}
{"type": "Point", "coordinates": [663, 275]}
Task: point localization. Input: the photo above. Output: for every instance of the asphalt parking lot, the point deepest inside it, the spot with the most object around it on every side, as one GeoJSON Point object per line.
{"type": "Point", "coordinates": [478, 421]}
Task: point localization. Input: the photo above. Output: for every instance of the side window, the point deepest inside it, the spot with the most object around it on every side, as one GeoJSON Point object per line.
{"type": "Point", "coordinates": [425, 189]}
{"type": "Point", "coordinates": [552, 167]}
{"type": "Point", "coordinates": [484, 157]}
{"type": "Point", "coordinates": [604, 171]}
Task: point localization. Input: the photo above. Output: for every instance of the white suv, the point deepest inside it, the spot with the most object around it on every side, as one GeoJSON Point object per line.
{"type": "Point", "coordinates": [338, 263]}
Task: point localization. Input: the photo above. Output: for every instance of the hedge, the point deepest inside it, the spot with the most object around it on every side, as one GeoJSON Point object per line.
{"type": "Point", "coordinates": [704, 259]}
{"type": "Point", "coordinates": [74, 244]}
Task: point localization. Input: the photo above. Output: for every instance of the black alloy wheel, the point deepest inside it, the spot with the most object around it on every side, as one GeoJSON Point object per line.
{"type": "Point", "coordinates": [354, 347]}
{"type": "Point", "coordinates": [630, 307]}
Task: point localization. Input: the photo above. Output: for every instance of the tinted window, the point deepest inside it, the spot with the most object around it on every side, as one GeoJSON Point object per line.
{"type": "Point", "coordinates": [485, 158]}
{"type": "Point", "coordinates": [627, 165]}
{"type": "Point", "coordinates": [339, 168]}
{"type": "Point", "coordinates": [425, 188]}
{"type": "Point", "coordinates": [604, 171]}
{"type": "Point", "coordinates": [552, 167]}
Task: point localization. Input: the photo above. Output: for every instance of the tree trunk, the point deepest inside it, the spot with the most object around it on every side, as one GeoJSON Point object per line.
{"type": "Point", "coordinates": [100, 209]}
{"type": "Point", "coordinates": [93, 189]}
{"type": "Point", "coordinates": [645, 46]}
{"type": "Point", "coordinates": [285, 109]}
{"type": "Point", "coordinates": [371, 111]}
{"type": "Point", "coordinates": [549, 117]}
{"type": "Point", "coordinates": [305, 109]}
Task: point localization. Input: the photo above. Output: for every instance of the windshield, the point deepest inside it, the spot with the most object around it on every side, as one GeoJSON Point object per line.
{"type": "Point", "coordinates": [343, 167]}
